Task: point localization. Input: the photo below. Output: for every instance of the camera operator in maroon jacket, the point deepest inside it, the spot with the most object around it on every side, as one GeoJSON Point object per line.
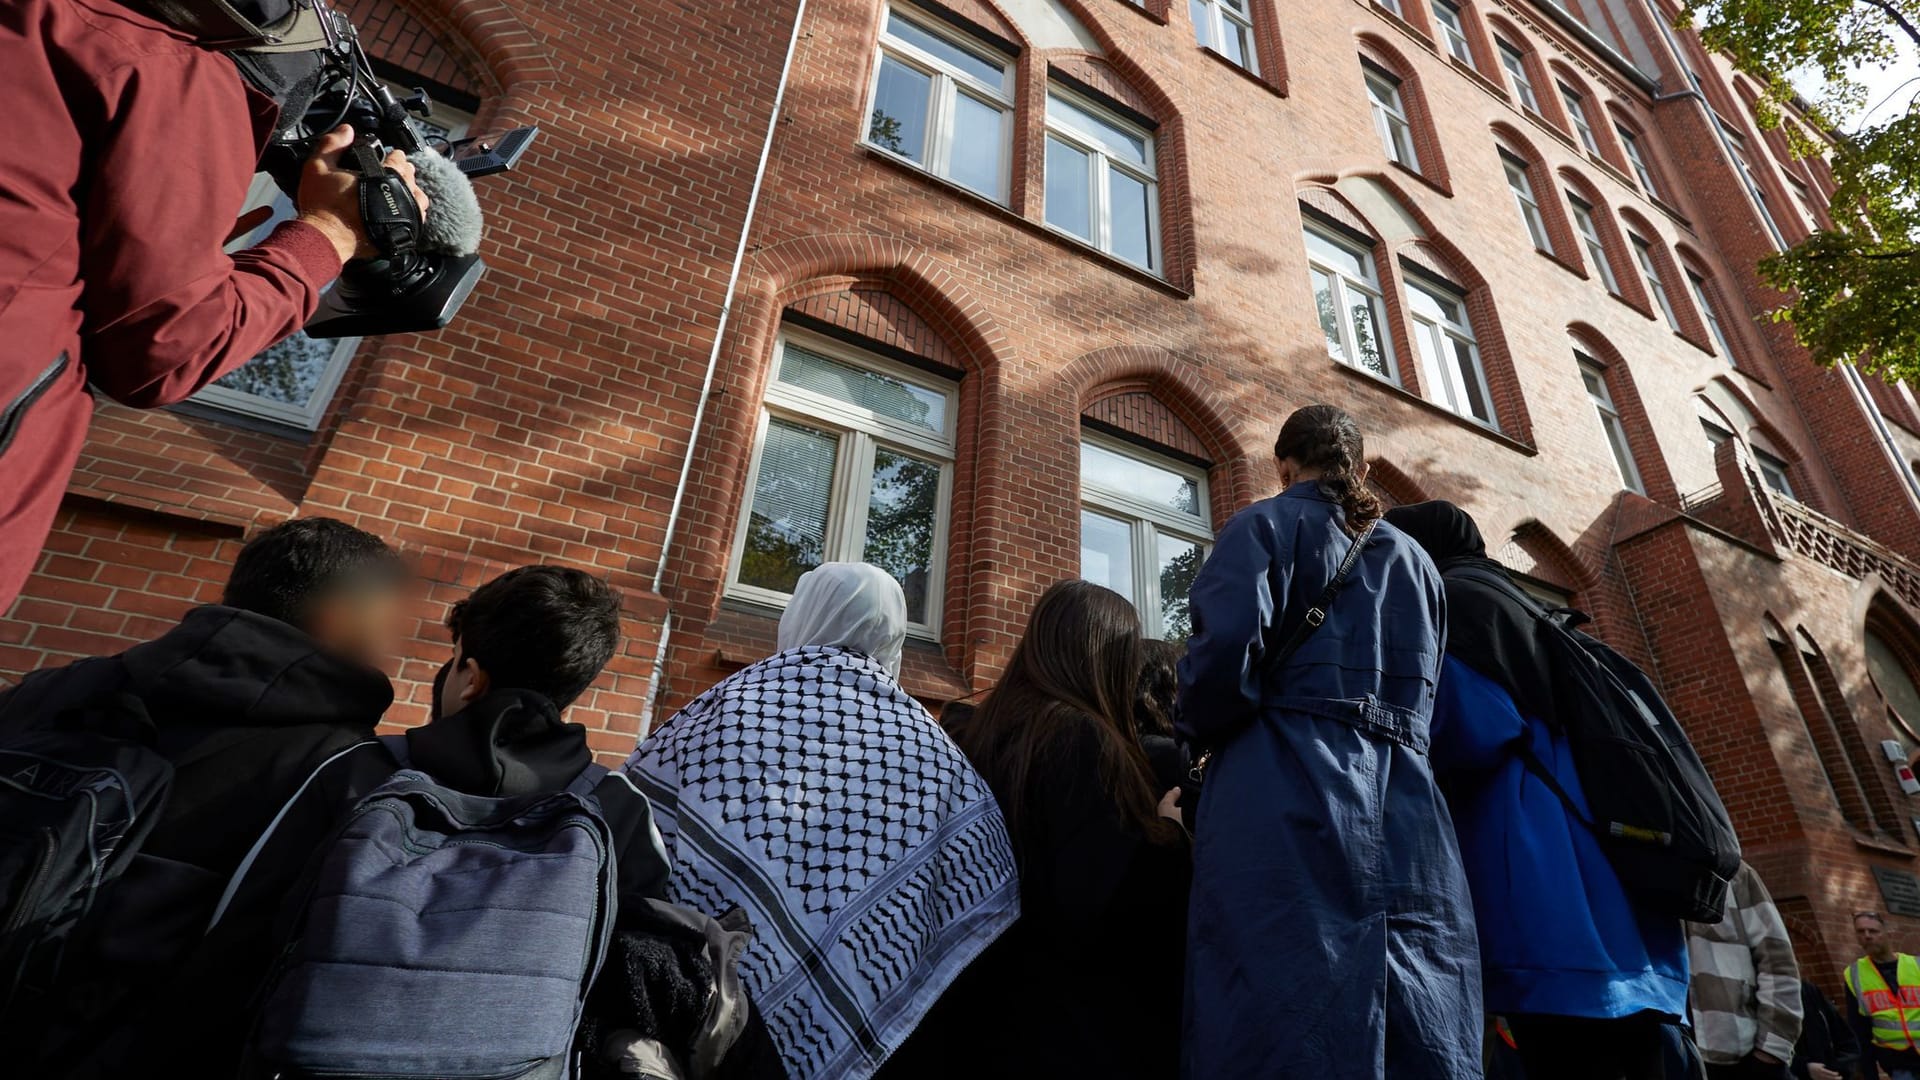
{"type": "Point", "coordinates": [127, 154]}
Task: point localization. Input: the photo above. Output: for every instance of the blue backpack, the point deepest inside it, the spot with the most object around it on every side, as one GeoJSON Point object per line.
{"type": "Point", "coordinates": [444, 935]}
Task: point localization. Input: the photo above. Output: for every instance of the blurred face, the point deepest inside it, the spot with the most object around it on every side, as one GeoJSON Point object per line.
{"type": "Point", "coordinates": [1872, 934]}
{"type": "Point", "coordinates": [365, 625]}
{"type": "Point", "coordinates": [466, 681]}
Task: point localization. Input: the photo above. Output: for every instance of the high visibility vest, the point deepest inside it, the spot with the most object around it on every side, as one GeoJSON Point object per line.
{"type": "Point", "coordinates": [1895, 1011]}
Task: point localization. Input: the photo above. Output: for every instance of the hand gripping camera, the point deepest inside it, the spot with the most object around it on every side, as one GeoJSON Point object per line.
{"type": "Point", "coordinates": [307, 56]}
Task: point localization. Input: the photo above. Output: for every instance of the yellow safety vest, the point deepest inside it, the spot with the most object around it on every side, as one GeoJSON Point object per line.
{"type": "Point", "coordinates": [1895, 1013]}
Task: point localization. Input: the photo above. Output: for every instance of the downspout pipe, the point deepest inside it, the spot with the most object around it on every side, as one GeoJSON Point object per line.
{"type": "Point", "coordinates": [654, 680]}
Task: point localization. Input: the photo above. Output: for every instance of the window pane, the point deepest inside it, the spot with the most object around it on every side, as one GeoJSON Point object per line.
{"type": "Point", "coordinates": [1179, 564]}
{"type": "Point", "coordinates": [288, 372]}
{"type": "Point", "coordinates": [1129, 476]}
{"type": "Point", "coordinates": [1202, 17]}
{"type": "Point", "coordinates": [1068, 177]}
{"type": "Point", "coordinates": [1339, 256]}
{"type": "Point", "coordinates": [880, 394]}
{"type": "Point", "coordinates": [1116, 140]}
{"type": "Point", "coordinates": [1466, 361]}
{"type": "Point", "coordinates": [1233, 42]}
{"type": "Point", "coordinates": [1622, 454]}
{"type": "Point", "coordinates": [900, 110]}
{"type": "Point", "coordinates": [979, 145]}
{"type": "Point", "coordinates": [902, 507]}
{"type": "Point", "coordinates": [979, 67]}
{"type": "Point", "coordinates": [787, 525]}
{"type": "Point", "coordinates": [1127, 204]}
{"type": "Point", "coordinates": [1366, 334]}
{"type": "Point", "coordinates": [1106, 552]}
{"type": "Point", "coordinates": [1327, 303]}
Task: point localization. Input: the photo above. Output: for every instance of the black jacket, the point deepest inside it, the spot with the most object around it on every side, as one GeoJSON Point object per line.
{"type": "Point", "coordinates": [247, 708]}
{"type": "Point", "coordinates": [1088, 981]}
{"type": "Point", "coordinates": [1825, 1036]}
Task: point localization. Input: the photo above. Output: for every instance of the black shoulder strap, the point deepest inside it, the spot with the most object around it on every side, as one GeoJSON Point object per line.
{"type": "Point", "coordinates": [1317, 614]}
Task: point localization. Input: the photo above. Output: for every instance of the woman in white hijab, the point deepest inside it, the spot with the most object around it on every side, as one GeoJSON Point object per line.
{"type": "Point", "coordinates": [812, 791]}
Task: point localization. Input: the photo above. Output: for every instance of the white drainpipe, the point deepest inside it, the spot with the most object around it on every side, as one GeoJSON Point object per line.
{"type": "Point", "coordinates": [654, 681]}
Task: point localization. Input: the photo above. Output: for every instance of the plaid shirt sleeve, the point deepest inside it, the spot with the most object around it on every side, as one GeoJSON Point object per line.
{"type": "Point", "coordinates": [1777, 994]}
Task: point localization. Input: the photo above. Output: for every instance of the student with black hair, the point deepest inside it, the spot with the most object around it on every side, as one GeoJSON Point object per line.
{"type": "Point", "coordinates": [248, 698]}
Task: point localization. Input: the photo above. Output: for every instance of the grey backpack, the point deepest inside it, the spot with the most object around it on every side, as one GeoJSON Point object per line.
{"type": "Point", "coordinates": [444, 935]}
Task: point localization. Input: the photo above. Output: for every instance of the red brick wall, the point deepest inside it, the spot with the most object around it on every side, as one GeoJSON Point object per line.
{"type": "Point", "coordinates": [552, 420]}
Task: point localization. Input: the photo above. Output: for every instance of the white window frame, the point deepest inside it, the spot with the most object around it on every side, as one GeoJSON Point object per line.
{"type": "Point", "coordinates": [1514, 61]}
{"type": "Point", "coordinates": [1576, 105]}
{"type": "Point", "coordinates": [1099, 199]}
{"type": "Point", "coordinates": [1435, 340]}
{"type": "Point", "coordinates": [1453, 27]}
{"type": "Point", "coordinates": [1148, 520]}
{"type": "Point", "coordinates": [1650, 272]}
{"type": "Point", "coordinates": [1630, 143]}
{"type": "Point", "coordinates": [1774, 470]}
{"type": "Point", "coordinates": [1345, 283]}
{"type": "Point", "coordinates": [1594, 377]}
{"type": "Point", "coordinates": [1582, 213]}
{"type": "Point", "coordinates": [1520, 183]}
{"type": "Point", "coordinates": [1698, 284]}
{"type": "Point", "coordinates": [948, 82]}
{"type": "Point", "coordinates": [1737, 143]}
{"type": "Point", "coordinates": [1390, 119]}
{"type": "Point", "coordinates": [1210, 18]}
{"type": "Point", "coordinates": [861, 433]}
{"type": "Point", "coordinates": [264, 192]}
{"type": "Point", "coordinates": [1392, 7]}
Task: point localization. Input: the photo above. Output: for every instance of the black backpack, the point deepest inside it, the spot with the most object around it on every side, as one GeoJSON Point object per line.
{"type": "Point", "coordinates": [77, 798]}
{"type": "Point", "coordinates": [1649, 799]}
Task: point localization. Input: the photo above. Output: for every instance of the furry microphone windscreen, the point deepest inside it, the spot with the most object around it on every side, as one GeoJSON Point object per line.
{"type": "Point", "coordinates": [453, 213]}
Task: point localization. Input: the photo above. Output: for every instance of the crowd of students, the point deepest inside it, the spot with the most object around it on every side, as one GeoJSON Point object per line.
{"type": "Point", "coordinates": [1316, 845]}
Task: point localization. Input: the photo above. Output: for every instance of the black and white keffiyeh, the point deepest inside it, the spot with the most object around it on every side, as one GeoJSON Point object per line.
{"type": "Point", "coordinates": [815, 793]}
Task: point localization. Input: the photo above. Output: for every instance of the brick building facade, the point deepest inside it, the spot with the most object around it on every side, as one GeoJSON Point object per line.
{"type": "Point", "coordinates": [1026, 289]}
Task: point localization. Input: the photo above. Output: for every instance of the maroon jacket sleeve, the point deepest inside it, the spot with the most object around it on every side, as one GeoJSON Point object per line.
{"type": "Point", "coordinates": [166, 310]}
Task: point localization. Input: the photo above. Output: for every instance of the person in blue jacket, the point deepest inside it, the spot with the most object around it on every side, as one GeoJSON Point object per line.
{"type": "Point", "coordinates": [1586, 980]}
{"type": "Point", "coordinates": [1330, 934]}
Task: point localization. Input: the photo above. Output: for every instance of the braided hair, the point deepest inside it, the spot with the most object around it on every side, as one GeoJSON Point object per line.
{"type": "Point", "coordinates": [1326, 438]}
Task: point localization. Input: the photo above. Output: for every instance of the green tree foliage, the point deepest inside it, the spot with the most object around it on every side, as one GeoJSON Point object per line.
{"type": "Point", "coordinates": [1853, 292]}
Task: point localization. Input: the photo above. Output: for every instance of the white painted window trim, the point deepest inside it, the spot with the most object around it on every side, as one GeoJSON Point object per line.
{"type": "Point", "coordinates": [1453, 28]}
{"type": "Point", "coordinates": [1611, 424]}
{"type": "Point", "coordinates": [1514, 61]}
{"type": "Point", "coordinates": [1582, 213]}
{"type": "Point", "coordinates": [1440, 336]}
{"type": "Point", "coordinates": [1100, 202]}
{"type": "Point", "coordinates": [1698, 284]}
{"type": "Point", "coordinates": [948, 82]}
{"type": "Point", "coordinates": [1520, 183]}
{"type": "Point", "coordinates": [861, 433]}
{"type": "Point", "coordinates": [1650, 270]}
{"type": "Point", "coordinates": [1343, 283]}
{"type": "Point", "coordinates": [1576, 104]}
{"type": "Point", "coordinates": [1630, 144]}
{"type": "Point", "coordinates": [1148, 521]}
{"type": "Point", "coordinates": [1221, 12]}
{"type": "Point", "coordinates": [1390, 115]}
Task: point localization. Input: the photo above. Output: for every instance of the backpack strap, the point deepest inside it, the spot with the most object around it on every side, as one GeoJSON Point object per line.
{"type": "Point", "coordinates": [588, 779]}
{"type": "Point", "coordinates": [1317, 614]}
{"type": "Point", "coordinates": [397, 746]}
{"type": "Point", "coordinates": [259, 845]}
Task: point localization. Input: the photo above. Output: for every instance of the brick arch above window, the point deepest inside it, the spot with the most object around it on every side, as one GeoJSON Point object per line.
{"type": "Point", "coordinates": [1440, 257]}
{"type": "Point", "coordinates": [1394, 484]}
{"type": "Point", "coordinates": [870, 312]}
{"type": "Point", "coordinates": [1177, 384]}
{"type": "Point", "coordinates": [1432, 158]}
{"type": "Point", "coordinates": [1594, 109]}
{"type": "Point", "coordinates": [1655, 476]}
{"type": "Point", "coordinates": [1613, 240]}
{"type": "Point", "coordinates": [1565, 246]}
{"type": "Point", "coordinates": [1136, 412]}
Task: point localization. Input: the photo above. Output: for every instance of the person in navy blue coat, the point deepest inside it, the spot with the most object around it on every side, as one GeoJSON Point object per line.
{"type": "Point", "coordinates": [1330, 933]}
{"type": "Point", "coordinates": [1586, 979]}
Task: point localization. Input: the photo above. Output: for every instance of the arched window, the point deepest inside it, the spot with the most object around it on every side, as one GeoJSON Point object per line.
{"type": "Point", "coordinates": [1103, 180]}
{"type": "Point", "coordinates": [1526, 78]}
{"type": "Point", "coordinates": [1226, 27]}
{"type": "Point", "coordinates": [1836, 766]}
{"type": "Point", "coordinates": [853, 459]}
{"type": "Point", "coordinates": [1344, 271]}
{"type": "Point", "coordinates": [1635, 148]}
{"type": "Point", "coordinates": [1582, 111]}
{"type": "Point", "coordinates": [1598, 232]}
{"type": "Point", "coordinates": [1401, 117]}
{"type": "Point", "coordinates": [1867, 763]}
{"type": "Point", "coordinates": [1531, 186]}
{"type": "Point", "coordinates": [1443, 334]}
{"type": "Point", "coordinates": [1706, 295]}
{"type": "Point", "coordinates": [1661, 275]}
{"type": "Point", "coordinates": [1145, 527]}
{"type": "Point", "coordinates": [1594, 376]}
{"type": "Point", "coordinates": [1620, 414]}
{"type": "Point", "coordinates": [1893, 663]}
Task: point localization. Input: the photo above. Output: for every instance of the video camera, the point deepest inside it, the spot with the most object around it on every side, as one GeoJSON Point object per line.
{"type": "Point", "coordinates": [307, 56]}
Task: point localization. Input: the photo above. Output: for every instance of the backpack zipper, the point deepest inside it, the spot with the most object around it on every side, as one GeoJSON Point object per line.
{"type": "Point", "coordinates": [11, 416]}
{"type": "Point", "coordinates": [36, 881]}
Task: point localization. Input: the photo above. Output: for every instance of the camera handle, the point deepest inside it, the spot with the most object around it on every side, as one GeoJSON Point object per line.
{"type": "Point", "coordinates": [388, 211]}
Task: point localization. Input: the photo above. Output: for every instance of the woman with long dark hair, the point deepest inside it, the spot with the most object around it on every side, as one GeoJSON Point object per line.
{"type": "Point", "coordinates": [1087, 982]}
{"type": "Point", "coordinates": [1331, 933]}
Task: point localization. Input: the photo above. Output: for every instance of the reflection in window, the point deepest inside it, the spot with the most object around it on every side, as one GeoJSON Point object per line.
{"type": "Point", "coordinates": [1145, 529]}
{"type": "Point", "coordinates": [1447, 14]}
{"type": "Point", "coordinates": [1583, 224]}
{"type": "Point", "coordinates": [1650, 270]}
{"type": "Point", "coordinates": [1346, 293]}
{"type": "Point", "coordinates": [1226, 27]}
{"type": "Point", "coordinates": [1449, 353]}
{"type": "Point", "coordinates": [1515, 62]}
{"type": "Point", "coordinates": [1637, 158]}
{"type": "Point", "coordinates": [1390, 118]}
{"type": "Point", "coordinates": [1577, 113]}
{"type": "Point", "coordinates": [1101, 181]}
{"type": "Point", "coordinates": [854, 463]}
{"type": "Point", "coordinates": [1595, 378]}
{"type": "Point", "coordinates": [1698, 285]}
{"type": "Point", "coordinates": [1523, 198]}
{"type": "Point", "coordinates": [943, 105]}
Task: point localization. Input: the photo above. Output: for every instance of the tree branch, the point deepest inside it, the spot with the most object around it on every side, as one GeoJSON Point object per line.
{"type": "Point", "coordinates": [1899, 19]}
